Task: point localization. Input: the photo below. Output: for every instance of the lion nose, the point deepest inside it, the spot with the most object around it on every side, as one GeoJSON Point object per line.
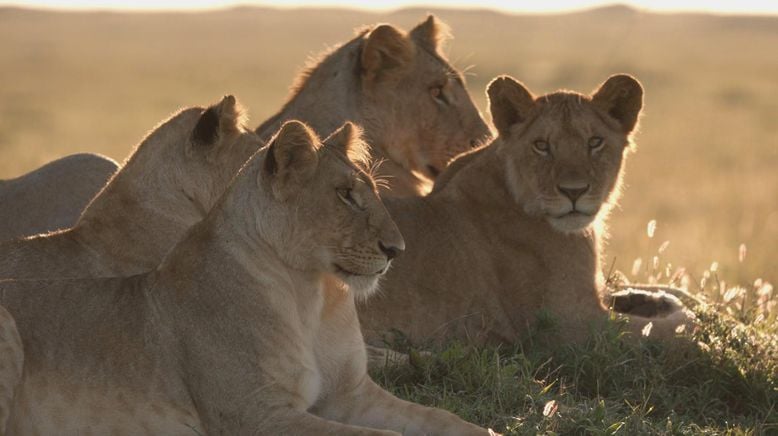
{"type": "Point", "coordinates": [391, 251]}
{"type": "Point", "coordinates": [573, 192]}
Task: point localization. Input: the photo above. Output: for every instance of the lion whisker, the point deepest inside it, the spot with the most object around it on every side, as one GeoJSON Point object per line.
{"type": "Point", "coordinates": [466, 71]}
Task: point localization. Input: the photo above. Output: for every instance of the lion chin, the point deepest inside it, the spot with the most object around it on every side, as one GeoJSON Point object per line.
{"type": "Point", "coordinates": [361, 285]}
{"type": "Point", "coordinates": [572, 222]}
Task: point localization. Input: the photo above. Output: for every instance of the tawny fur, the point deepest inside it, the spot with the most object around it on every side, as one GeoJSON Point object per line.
{"type": "Point", "coordinates": [168, 184]}
{"type": "Point", "coordinates": [493, 247]}
{"type": "Point", "coordinates": [234, 333]}
{"type": "Point", "coordinates": [647, 304]}
{"type": "Point", "coordinates": [53, 196]}
{"type": "Point", "coordinates": [412, 104]}
{"type": "Point", "coordinates": [11, 363]}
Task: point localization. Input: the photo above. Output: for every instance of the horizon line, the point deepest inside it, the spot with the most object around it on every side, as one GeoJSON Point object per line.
{"type": "Point", "coordinates": [232, 5]}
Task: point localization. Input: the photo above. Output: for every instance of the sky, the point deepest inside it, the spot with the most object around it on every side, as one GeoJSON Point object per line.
{"type": "Point", "coordinates": [519, 6]}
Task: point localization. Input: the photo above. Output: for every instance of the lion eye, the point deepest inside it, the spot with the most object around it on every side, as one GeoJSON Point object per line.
{"type": "Point", "coordinates": [345, 195]}
{"type": "Point", "coordinates": [595, 143]}
{"type": "Point", "coordinates": [437, 93]}
{"type": "Point", "coordinates": [541, 147]}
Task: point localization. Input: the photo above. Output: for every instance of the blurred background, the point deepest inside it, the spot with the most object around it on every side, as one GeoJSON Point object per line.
{"type": "Point", "coordinates": [73, 79]}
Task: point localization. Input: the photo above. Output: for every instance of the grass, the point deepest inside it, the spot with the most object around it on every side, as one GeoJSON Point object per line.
{"type": "Point", "coordinates": [605, 386]}
{"type": "Point", "coordinates": [721, 378]}
{"type": "Point", "coordinates": [704, 174]}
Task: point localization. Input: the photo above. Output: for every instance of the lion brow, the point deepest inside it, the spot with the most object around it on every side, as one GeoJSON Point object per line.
{"type": "Point", "coordinates": [364, 177]}
{"type": "Point", "coordinates": [362, 169]}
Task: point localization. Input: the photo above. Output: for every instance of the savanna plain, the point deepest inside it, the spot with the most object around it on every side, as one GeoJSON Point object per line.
{"type": "Point", "coordinates": [699, 208]}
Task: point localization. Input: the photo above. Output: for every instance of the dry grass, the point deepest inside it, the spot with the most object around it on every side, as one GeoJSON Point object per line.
{"type": "Point", "coordinates": [705, 167]}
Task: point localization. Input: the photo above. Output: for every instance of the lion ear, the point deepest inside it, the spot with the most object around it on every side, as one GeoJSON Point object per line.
{"type": "Point", "coordinates": [342, 138]}
{"type": "Point", "coordinates": [509, 103]}
{"type": "Point", "coordinates": [386, 52]}
{"type": "Point", "coordinates": [221, 120]}
{"type": "Point", "coordinates": [621, 97]}
{"type": "Point", "coordinates": [430, 33]}
{"type": "Point", "coordinates": [348, 140]}
{"type": "Point", "coordinates": [291, 159]}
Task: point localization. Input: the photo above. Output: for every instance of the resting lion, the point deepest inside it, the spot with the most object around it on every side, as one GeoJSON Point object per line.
{"type": "Point", "coordinates": [168, 184]}
{"type": "Point", "coordinates": [515, 230]}
{"type": "Point", "coordinates": [53, 196]}
{"type": "Point", "coordinates": [234, 333]}
{"type": "Point", "coordinates": [411, 103]}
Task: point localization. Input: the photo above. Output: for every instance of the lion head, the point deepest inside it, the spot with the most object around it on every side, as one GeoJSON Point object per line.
{"type": "Point", "coordinates": [186, 163]}
{"type": "Point", "coordinates": [563, 152]}
{"type": "Point", "coordinates": [322, 212]}
{"type": "Point", "coordinates": [415, 104]}
{"type": "Point", "coordinates": [217, 148]}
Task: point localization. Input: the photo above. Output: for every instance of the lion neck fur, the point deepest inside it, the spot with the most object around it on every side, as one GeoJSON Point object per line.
{"type": "Point", "coordinates": [242, 238]}
{"type": "Point", "coordinates": [325, 95]}
{"type": "Point", "coordinates": [144, 211]}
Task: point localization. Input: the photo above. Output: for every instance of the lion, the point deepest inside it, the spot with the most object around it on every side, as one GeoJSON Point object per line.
{"type": "Point", "coordinates": [513, 234]}
{"type": "Point", "coordinates": [168, 184]}
{"type": "Point", "coordinates": [412, 104]}
{"type": "Point", "coordinates": [53, 196]}
{"type": "Point", "coordinates": [235, 331]}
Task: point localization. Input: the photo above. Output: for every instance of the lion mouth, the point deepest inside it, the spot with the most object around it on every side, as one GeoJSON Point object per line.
{"type": "Point", "coordinates": [348, 273]}
{"type": "Point", "coordinates": [572, 214]}
{"type": "Point", "coordinates": [434, 172]}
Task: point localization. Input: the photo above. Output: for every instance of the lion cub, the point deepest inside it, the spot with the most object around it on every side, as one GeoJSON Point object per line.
{"type": "Point", "coordinates": [513, 230]}
{"type": "Point", "coordinates": [234, 333]}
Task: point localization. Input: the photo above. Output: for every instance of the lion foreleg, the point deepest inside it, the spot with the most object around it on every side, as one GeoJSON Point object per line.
{"type": "Point", "coordinates": [303, 423]}
{"type": "Point", "coordinates": [378, 357]}
{"type": "Point", "coordinates": [371, 406]}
